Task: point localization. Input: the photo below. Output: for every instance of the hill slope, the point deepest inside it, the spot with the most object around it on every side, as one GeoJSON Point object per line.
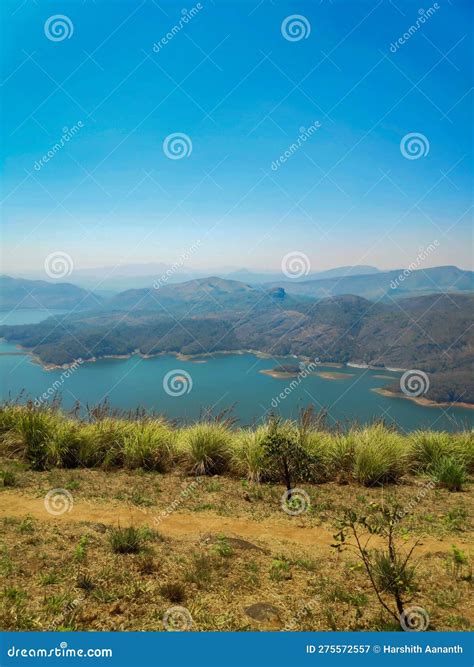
{"type": "Point", "coordinates": [21, 293]}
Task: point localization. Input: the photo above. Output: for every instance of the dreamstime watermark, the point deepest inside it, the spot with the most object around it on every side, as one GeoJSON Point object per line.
{"type": "Point", "coordinates": [303, 611]}
{"type": "Point", "coordinates": [304, 135]}
{"type": "Point", "coordinates": [57, 384]}
{"type": "Point", "coordinates": [414, 619]}
{"type": "Point", "coordinates": [295, 264]}
{"type": "Point", "coordinates": [420, 495]}
{"type": "Point", "coordinates": [67, 135]}
{"type": "Point", "coordinates": [414, 145]}
{"type": "Point", "coordinates": [186, 17]}
{"type": "Point", "coordinates": [67, 612]}
{"type": "Point", "coordinates": [58, 28]}
{"type": "Point", "coordinates": [295, 502]}
{"type": "Point", "coordinates": [305, 370]}
{"type": "Point", "coordinates": [163, 279]}
{"type": "Point", "coordinates": [414, 383]}
{"type": "Point", "coordinates": [186, 493]}
{"type": "Point", "coordinates": [61, 651]}
{"type": "Point", "coordinates": [295, 28]}
{"type": "Point", "coordinates": [177, 382]}
{"type": "Point", "coordinates": [58, 501]}
{"type": "Point", "coordinates": [177, 145]}
{"type": "Point", "coordinates": [423, 16]}
{"type": "Point", "coordinates": [58, 265]}
{"type": "Point", "coordinates": [420, 258]}
{"type": "Point", "coordinates": [177, 619]}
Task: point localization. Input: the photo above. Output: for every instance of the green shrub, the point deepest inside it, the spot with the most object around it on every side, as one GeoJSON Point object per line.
{"type": "Point", "coordinates": [174, 592]}
{"type": "Point", "coordinates": [126, 540]}
{"type": "Point", "coordinates": [7, 478]}
{"type": "Point", "coordinates": [285, 458]}
{"type": "Point", "coordinates": [340, 454]}
{"type": "Point", "coordinates": [206, 448]}
{"type": "Point", "coordinates": [449, 473]}
{"type": "Point", "coordinates": [391, 574]}
{"type": "Point", "coordinates": [150, 445]}
{"type": "Point", "coordinates": [463, 448]}
{"type": "Point", "coordinates": [248, 454]}
{"type": "Point", "coordinates": [380, 456]}
{"type": "Point", "coordinates": [36, 431]}
{"type": "Point", "coordinates": [318, 447]}
{"type": "Point", "coordinates": [428, 446]}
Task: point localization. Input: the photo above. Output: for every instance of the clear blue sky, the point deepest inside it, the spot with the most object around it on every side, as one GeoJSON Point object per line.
{"type": "Point", "coordinates": [241, 91]}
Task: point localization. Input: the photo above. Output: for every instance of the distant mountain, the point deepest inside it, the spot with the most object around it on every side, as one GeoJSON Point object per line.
{"type": "Point", "coordinates": [202, 296]}
{"type": "Point", "coordinates": [255, 277]}
{"type": "Point", "coordinates": [385, 285]}
{"type": "Point", "coordinates": [21, 293]}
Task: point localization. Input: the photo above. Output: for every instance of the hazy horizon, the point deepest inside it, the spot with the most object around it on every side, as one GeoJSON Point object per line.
{"type": "Point", "coordinates": [336, 144]}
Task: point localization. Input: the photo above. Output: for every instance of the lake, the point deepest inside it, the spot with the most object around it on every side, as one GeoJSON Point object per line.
{"type": "Point", "coordinates": [183, 389]}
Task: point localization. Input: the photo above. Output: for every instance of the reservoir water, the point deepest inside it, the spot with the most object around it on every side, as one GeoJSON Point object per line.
{"type": "Point", "coordinates": [184, 389]}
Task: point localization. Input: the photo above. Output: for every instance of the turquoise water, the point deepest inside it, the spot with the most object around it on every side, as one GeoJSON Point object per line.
{"type": "Point", "coordinates": [219, 383]}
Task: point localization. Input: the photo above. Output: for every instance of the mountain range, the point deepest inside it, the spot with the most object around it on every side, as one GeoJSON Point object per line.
{"type": "Point", "coordinates": [375, 285]}
{"type": "Point", "coordinates": [431, 332]}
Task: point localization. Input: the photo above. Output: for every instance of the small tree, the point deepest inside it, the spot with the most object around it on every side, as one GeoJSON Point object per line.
{"type": "Point", "coordinates": [389, 570]}
{"type": "Point", "coordinates": [284, 454]}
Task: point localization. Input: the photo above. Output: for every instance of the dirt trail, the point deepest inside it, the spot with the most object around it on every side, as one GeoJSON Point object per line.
{"type": "Point", "coordinates": [189, 526]}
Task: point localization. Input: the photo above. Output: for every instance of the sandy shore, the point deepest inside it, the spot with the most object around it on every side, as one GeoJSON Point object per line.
{"type": "Point", "coordinates": [334, 376]}
{"type": "Point", "coordinates": [423, 401]}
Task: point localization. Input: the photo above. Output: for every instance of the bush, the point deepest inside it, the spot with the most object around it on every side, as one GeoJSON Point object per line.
{"type": "Point", "coordinates": [7, 478]}
{"type": "Point", "coordinates": [36, 431]}
{"type": "Point", "coordinates": [317, 445]}
{"type": "Point", "coordinates": [463, 447]}
{"type": "Point", "coordinates": [248, 454]}
{"type": "Point", "coordinates": [391, 574]}
{"type": "Point", "coordinates": [174, 592]}
{"type": "Point", "coordinates": [428, 446]}
{"type": "Point", "coordinates": [340, 455]}
{"type": "Point", "coordinates": [206, 448]}
{"type": "Point", "coordinates": [449, 473]}
{"type": "Point", "coordinates": [150, 445]}
{"type": "Point", "coordinates": [380, 456]}
{"type": "Point", "coordinates": [285, 458]}
{"type": "Point", "coordinates": [126, 540]}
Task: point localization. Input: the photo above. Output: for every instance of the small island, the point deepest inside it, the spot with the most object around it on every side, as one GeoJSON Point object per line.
{"type": "Point", "coordinates": [331, 375]}
{"type": "Point", "coordinates": [284, 371]}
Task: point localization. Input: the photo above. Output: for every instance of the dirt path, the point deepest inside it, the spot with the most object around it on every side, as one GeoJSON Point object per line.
{"type": "Point", "coordinates": [189, 526]}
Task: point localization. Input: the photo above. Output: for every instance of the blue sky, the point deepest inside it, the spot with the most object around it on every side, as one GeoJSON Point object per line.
{"type": "Point", "coordinates": [242, 93]}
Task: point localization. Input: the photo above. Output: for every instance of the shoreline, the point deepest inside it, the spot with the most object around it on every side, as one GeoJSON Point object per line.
{"type": "Point", "coordinates": [198, 358]}
{"type": "Point", "coordinates": [425, 402]}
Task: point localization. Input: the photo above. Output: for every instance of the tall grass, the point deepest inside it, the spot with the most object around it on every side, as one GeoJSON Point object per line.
{"type": "Point", "coordinates": [248, 455]}
{"type": "Point", "coordinates": [47, 438]}
{"type": "Point", "coordinates": [206, 448]}
{"type": "Point", "coordinates": [381, 456]}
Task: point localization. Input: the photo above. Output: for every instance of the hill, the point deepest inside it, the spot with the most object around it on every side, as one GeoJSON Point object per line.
{"type": "Point", "coordinates": [21, 293]}
{"type": "Point", "coordinates": [431, 333]}
{"type": "Point", "coordinates": [386, 285]}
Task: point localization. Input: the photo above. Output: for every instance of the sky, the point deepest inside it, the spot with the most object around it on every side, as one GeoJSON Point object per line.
{"type": "Point", "coordinates": [243, 81]}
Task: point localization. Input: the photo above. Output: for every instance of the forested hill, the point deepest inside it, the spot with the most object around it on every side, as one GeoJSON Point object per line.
{"type": "Point", "coordinates": [432, 333]}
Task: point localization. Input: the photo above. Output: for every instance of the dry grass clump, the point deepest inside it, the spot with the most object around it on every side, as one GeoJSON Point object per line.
{"type": "Point", "coordinates": [381, 456]}
{"type": "Point", "coordinates": [46, 438]}
{"type": "Point", "coordinates": [206, 448]}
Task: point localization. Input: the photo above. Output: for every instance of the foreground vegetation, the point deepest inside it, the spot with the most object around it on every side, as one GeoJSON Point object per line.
{"type": "Point", "coordinates": [225, 552]}
{"type": "Point", "coordinates": [112, 521]}
{"type": "Point", "coordinates": [279, 451]}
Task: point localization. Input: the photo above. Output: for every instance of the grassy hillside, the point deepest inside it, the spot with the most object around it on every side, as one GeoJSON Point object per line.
{"type": "Point", "coordinates": [45, 438]}
{"type": "Point", "coordinates": [111, 523]}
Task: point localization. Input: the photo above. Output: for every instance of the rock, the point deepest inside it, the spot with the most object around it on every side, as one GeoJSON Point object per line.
{"type": "Point", "coordinates": [234, 542]}
{"type": "Point", "coordinates": [99, 527]}
{"type": "Point", "coordinates": [263, 612]}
